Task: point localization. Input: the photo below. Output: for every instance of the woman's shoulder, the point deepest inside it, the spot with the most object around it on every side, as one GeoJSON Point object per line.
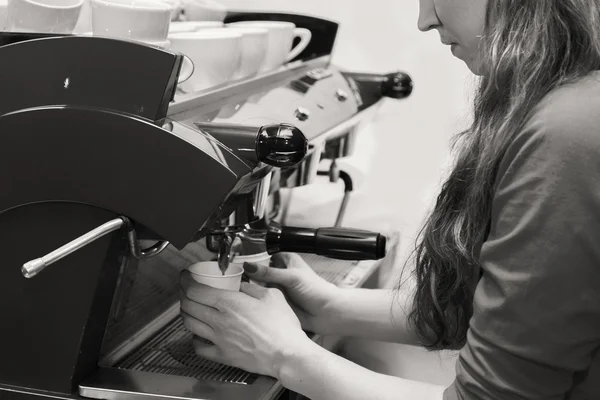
{"type": "Point", "coordinates": [570, 114]}
{"type": "Point", "coordinates": [562, 137]}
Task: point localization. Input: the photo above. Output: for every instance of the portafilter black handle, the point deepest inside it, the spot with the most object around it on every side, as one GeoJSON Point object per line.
{"type": "Point", "coordinates": [338, 243]}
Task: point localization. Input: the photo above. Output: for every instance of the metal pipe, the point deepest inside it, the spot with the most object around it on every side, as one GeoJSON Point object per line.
{"type": "Point", "coordinates": [34, 267]}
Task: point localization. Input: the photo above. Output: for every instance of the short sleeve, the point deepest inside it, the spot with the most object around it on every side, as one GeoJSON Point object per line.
{"type": "Point", "coordinates": [536, 319]}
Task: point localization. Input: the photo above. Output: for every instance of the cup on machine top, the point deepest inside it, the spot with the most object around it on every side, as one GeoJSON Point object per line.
{"type": "Point", "coordinates": [280, 41]}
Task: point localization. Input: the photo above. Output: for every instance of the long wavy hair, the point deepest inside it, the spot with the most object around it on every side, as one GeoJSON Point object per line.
{"type": "Point", "coordinates": [528, 49]}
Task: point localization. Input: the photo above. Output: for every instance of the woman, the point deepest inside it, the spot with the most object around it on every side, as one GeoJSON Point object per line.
{"type": "Point", "coordinates": [508, 263]}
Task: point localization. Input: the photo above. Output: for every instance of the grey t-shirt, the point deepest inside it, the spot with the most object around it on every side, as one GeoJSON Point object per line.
{"type": "Point", "coordinates": [535, 331]}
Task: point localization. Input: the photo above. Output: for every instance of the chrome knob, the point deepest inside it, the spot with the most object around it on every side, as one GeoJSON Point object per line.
{"type": "Point", "coordinates": [281, 145]}
{"type": "Point", "coordinates": [301, 114]}
{"type": "Point", "coordinates": [341, 95]}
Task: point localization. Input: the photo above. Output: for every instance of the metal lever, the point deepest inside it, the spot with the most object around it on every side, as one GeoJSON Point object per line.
{"type": "Point", "coordinates": [34, 267]}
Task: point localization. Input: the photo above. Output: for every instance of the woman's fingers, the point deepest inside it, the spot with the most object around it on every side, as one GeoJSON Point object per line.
{"type": "Point", "coordinates": [256, 291]}
{"type": "Point", "coordinates": [197, 327]}
{"type": "Point", "coordinates": [218, 299]}
{"type": "Point", "coordinates": [264, 273]}
{"type": "Point", "coordinates": [207, 350]}
{"type": "Point", "coordinates": [289, 261]}
{"type": "Point", "coordinates": [201, 312]}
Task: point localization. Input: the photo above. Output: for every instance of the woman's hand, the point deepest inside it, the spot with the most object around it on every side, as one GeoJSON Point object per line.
{"type": "Point", "coordinates": [311, 297]}
{"type": "Point", "coordinates": [254, 329]}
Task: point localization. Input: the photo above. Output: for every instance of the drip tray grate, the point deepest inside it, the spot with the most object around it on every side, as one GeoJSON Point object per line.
{"type": "Point", "coordinates": [171, 352]}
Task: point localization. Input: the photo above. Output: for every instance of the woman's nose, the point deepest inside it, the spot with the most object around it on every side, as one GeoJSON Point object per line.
{"type": "Point", "coordinates": [427, 16]}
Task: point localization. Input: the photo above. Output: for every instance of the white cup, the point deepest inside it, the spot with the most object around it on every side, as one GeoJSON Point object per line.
{"type": "Point", "coordinates": [204, 10]}
{"type": "Point", "coordinates": [44, 16]}
{"type": "Point", "coordinates": [255, 42]}
{"type": "Point", "coordinates": [176, 8]}
{"type": "Point", "coordinates": [3, 6]}
{"type": "Point", "coordinates": [163, 44]}
{"type": "Point", "coordinates": [263, 259]}
{"type": "Point", "coordinates": [216, 54]}
{"type": "Point", "coordinates": [192, 26]}
{"type": "Point", "coordinates": [84, 23]}
{"type": "Point", "coordinates": [187, 67]}
{"type": "Point", "coordinates": [208, 273]}
{"type": "Point", "coordinates": [281, 39]}
{"type": "Point", "coordinates": [143, 20]}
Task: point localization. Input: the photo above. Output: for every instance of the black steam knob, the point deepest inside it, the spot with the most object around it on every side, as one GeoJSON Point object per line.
{"type": "Point", "coordinates": [281, 145]}
{"type": "Point", "coordinates": [397, 85]}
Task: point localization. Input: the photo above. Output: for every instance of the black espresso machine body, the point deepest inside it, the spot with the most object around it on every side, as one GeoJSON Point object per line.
{"type": "Point", "coordinates": [111, 182]}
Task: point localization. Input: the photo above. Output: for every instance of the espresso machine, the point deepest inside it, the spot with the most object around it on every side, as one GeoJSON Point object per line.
{"type": "Point", "coordinates": [113, 182]}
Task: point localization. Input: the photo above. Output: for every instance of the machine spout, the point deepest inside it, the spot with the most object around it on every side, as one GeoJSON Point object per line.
{"type": "Point", "coordinates": [224, 256]}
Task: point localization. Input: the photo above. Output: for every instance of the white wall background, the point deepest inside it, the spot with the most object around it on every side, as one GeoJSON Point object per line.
{"type": "Point", "coordinates": [412, 143]}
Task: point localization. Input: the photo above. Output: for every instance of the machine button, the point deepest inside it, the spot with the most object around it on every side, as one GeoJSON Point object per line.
{"type": "Point", "coordinates": [341, 95]}
{"type": "Point", "coordinates": [319, 73]}
{"type": "Point", "coordinates": [301, 114]}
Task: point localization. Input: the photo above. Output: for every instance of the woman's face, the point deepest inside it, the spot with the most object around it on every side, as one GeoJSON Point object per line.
{"type": "Point", "coordinates": [460, 24]}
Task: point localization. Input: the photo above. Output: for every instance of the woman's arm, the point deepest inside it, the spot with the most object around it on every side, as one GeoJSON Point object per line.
{"type": "Point", "coordinates": [256, 330]}
{"type": "Point", "coordinates": [378, 314]}
{"type": "Point", "coordinates": [323, 308]}
{"type": "Point", "coordinates": [320, 375]}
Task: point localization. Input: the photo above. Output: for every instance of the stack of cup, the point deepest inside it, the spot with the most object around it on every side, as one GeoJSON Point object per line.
{"type": "Point", "coordinates": [280, 39]}
{"type": "Point", "coordinates": [203, 10]}
{"type": "Point", "coordinates": [46, 16]}
{"type": "Point", "coordinates": [192, 26]}
{"type": "Point", "coordinates": [145, 21]}
{"type": "Point", "coordinates": [216, 53]}
{"type": "Point", "coordinates": [138, 20]}
{"type": "Point", "coordinates": [255, 42]}
{"type": "Point", "coordinates": [3, 4]}
{"type": "Point", "coordinates": [176, 8]}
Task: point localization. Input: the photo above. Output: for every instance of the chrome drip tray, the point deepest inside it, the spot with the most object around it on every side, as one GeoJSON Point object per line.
{"type": "Point", "coordinates": [171, 352]}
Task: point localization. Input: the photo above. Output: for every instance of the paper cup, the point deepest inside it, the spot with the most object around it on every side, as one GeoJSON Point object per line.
{"type": "Point", "coordinates": [259, 258]}
{"type": "Point", "coordinates": [208, 273]}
